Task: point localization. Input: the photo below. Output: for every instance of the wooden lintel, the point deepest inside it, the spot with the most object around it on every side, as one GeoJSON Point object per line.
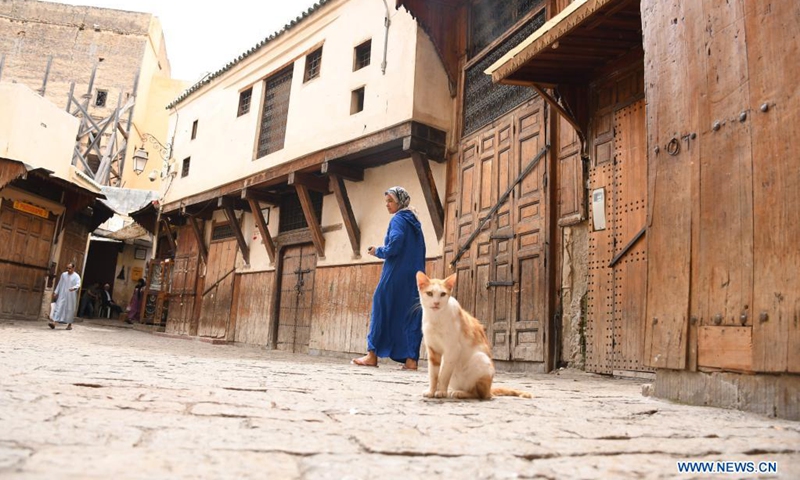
{"type": "Point", "coordinates": [168, 233]}
{"type": "Point", "coordinates": [261, 223]}
{"type": "Point", "coordinates": [353, 174]}
{"type": "Point", "coordinates": [311, 182]}
{"type": "Point", "coordinates": [263, 197]}
{"type": "Point", "coordinates": [311, 218]}
{"type": "Point", "coordinates": [430, 192]}
{"type": "Point", "coordinates": [350, 224]}
{"type": "Point", "coordinates": [199, 237]}
{"type": "Point", "coordinates": [237, 231]}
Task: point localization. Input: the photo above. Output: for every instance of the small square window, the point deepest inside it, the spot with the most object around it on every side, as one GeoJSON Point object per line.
{"type": "Point", "coordinates": [102, 96]}
{"type": "Point", "coordinates": [313, 64]}
{"type": "Point", "coordinates": [185, 166]}
{"type": "Point", "coordinates": [357, 101]}
{"type": "Point", "coordinates": [194, 129]}
{"type": "Point", "coordinates": [362, 55]}
{"type": "Point", "coordinates": [244, 101]}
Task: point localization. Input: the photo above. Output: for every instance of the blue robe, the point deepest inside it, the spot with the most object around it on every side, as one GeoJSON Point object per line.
{"type": "Point", "coordinates": [395, 329]}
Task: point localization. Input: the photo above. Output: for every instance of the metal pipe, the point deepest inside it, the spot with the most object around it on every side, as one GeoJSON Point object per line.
{"type": "Point", "coordinates": [386, 22]}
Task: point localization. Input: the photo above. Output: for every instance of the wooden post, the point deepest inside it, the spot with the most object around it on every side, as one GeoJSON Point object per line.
{"type": "Point", "coordinates": [428, 185]}
{"type": "Point", "coordinates": [200, 240]}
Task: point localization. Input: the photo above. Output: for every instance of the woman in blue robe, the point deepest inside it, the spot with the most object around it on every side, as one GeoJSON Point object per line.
{"type": "Point", "coordinates": [395, 328]}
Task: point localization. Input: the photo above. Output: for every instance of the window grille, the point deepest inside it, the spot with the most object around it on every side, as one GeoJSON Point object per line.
{"type": "Point", "coordinates": [484, 100]}
{"type": "Point", "coordinates": [291, 212]}
{"type": "Point", "coordinates": [490, 19]}
{"type": "Point", "coordinates": [102, 96]}
{"type": "Point", "coordinates": [277, 90]}
{"type": "Point", "coordinates": [222, 231]}
{"type": "Point", "coordinates": [185, 167]}
{"type": "Point", "coordinates": [244, 101]}
{"type": "Point", "coordinates": [313, 64]}
{"type": "Point", "coordinates": [362, 55]}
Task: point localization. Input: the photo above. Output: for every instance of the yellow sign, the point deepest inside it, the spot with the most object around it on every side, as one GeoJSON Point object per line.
{"type": "Point", "coordinates": [32, 209]}
{"type": "Point", "coordinates": [136, 273]}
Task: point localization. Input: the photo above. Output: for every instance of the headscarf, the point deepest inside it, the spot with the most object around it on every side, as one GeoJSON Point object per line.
{"type": "Point", "coordinates": [400, 195]}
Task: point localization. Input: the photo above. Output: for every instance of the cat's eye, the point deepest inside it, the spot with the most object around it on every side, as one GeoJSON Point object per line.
{"type": "Point", "coordinates": [430, 294]}
{"type": "Point", "coordinates": [442, 294]}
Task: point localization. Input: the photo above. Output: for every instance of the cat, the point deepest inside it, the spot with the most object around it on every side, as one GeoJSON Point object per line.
{"type": "Point", "coordinates": [459, 355]}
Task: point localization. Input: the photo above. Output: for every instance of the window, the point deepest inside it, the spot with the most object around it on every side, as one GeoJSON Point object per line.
{"type": "Point", "coordinates": [194, 129]}
{"type": "Point", "coordinates": [244, 101]}
{"type": "Point", "coordinates": [313, 64]}
{"type": "Point", "coordinates": [291, 212]}
{"type": "Point", "coordinates": [221, 231]}
{"type": "Point", "coordinates": [357, 101]}
{"type": "Point", "coordinates": [490, 19]}
{"type": "Point", "coordinates": [185, 167]}
{"type": "Point", "coordinates": [362, 55]}
{"type": "Point", "coordinates": [102, 96]}
{"type": "Point", "coordinates": [277, 90]}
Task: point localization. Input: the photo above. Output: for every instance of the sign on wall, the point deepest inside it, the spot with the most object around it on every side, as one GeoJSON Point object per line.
{"type": "Point", "coordinates": [32, 209]}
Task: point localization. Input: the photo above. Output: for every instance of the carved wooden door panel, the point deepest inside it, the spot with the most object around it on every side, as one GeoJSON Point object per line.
{"type": "Point", "coordinates": [465, 222]}
{"type": "Point", "coordinates": [530, 293]}
{"type": "Point", "coordinates": [184, 281]}
{"type": "Point", "coordinates": [218, 291]}
{"type": "Point", "coordinates": [297, 285]}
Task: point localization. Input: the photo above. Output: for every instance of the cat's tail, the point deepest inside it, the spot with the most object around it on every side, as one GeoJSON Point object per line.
{"type": "Point", "coordinates": [509, 392]}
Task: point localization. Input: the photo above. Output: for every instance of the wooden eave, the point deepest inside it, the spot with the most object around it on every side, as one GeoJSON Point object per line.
{"type": "Point", "coordinates": [380, 148]}
{"type": "Point", "coordinates": [573, 45]}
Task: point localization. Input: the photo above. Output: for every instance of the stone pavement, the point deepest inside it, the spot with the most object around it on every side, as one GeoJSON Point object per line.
{"type": "Point", "coordinates": [104, 402]}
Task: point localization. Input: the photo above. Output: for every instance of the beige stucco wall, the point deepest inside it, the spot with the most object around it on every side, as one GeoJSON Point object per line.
{"type": "Point", "coordinates": [319, 112]}
{"type": "Point", "coordinates": [34, 131]}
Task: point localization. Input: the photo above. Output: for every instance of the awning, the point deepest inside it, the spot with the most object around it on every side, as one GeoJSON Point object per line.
{"type": "Point", "coordinates": [583, 37]}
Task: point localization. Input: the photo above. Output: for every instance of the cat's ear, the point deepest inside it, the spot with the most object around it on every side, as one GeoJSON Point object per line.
{"type": "Point", "coordinates": [450, 282]}
{"type": "Point", "coordinates": [422, 280]}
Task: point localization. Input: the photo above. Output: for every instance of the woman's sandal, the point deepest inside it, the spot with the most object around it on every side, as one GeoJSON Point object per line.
{"type": "Point", "coordinates": [69, 326]}
{"type": "Point", "coordinates": [51, 325]}
{"type": "Point", "coordinates": [362, 363]}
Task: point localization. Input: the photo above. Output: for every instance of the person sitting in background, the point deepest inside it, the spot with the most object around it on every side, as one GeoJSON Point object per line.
{"type": "Point", "coordinates": [89, 300]}
{"type": "Point", "coordinates": [108, 301]}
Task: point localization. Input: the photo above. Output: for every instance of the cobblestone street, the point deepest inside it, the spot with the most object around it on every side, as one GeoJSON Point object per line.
{"type": "Point", "coordinates": [105, 402]}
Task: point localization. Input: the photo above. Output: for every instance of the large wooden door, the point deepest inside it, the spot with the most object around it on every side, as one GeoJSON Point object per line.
{"type": "Point", "coordinates": [218, 291]}
{"type": "Point", "coordinates": [502, 277]}
{"type": "Point", "coordinates": [184, 282]}
{"type": "Point", "coordinates": [24, 258]}
{"type": "Point", "coordinates": [615, 330]}
{"type": "Point", "coordinates": [296, 287]}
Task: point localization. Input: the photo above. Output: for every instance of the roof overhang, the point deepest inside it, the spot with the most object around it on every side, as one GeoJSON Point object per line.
{"type": "Point", "coordinates": [573, 45]}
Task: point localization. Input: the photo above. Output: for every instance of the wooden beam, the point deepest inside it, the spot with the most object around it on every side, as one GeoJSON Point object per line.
{"type": "Point", "coordinates": [350, 224]}
{"type": "Point", "coordinates": [567, 116]}
{"type": "Point", "coordinates": [263, 197]}
{"type": "Point", "coordinates": [258, 215]}
{"type": "Point", "coordinates": [428, 184]}
{"type": "Point", "coordinates": [200, 240]}
{"type": "Point", "coordinates": [227, 207]}
{"type": "Point", "coordinates": [168, 232]}
{"type": "Point", "coordinates": [311, 218]}
{"type": "Point", "coordinates": [353, 174]}
{"type": "Point", "coordinates": [311, 182]}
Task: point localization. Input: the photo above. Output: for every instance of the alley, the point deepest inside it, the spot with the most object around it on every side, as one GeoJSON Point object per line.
{"type": "Point", "coordinates": [104, 402]}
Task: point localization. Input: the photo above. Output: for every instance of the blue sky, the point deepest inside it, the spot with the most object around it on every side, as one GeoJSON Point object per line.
{"type": "Point", "coordinates": [220, 33]}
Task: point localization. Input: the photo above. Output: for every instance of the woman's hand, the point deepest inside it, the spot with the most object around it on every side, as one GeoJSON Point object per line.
{"type": "Point", "coordinates": [371, 251]}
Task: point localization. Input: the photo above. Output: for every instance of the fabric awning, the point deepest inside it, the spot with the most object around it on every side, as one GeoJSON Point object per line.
{"type": "Point", "coordinates": [583, 37]}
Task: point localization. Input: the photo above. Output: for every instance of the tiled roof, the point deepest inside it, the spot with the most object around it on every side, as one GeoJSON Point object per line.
{"type": "Point", "coordinates": [208, 78]}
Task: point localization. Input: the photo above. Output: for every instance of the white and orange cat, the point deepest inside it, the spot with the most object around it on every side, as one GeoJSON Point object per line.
{"type": "Point", "coordinates": [459, 357]}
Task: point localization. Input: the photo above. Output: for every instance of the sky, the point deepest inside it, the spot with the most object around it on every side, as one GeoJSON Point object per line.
{"type": "Point", "coordinates": [220, 30]}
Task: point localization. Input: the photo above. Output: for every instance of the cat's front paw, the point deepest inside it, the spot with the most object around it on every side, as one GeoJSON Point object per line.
{"type": "Point", "coordinates": [428, 394]}
{"type": "Point", "coordinates": [440, 394]}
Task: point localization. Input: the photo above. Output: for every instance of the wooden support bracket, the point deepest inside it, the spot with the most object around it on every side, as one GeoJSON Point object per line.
{"type": "Point", "coordinates": [168, 233]}
{"type": "Point", "coordinates": [261, 223]}
{"type": "Point", "coordinates": [428, 184]}
{"type": "Point", "coordinates": [269, 198]}
{"type": "Point", "coordinates": [311, 182]}
{"type": "Point", "coordinates": [227, 207]}
{"type": "Point", "coordinates": [353, 174]}
{"type": "Point", "coordinates": [311, 218]}
{"type": "Point", "coordinates": [340, 192]}
{"type": "Point", "coordinates": [200, 240]}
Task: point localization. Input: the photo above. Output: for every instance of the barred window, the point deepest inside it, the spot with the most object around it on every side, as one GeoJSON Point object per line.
{"type": "Point", "coordinates": [102, 96]}
{"type": "Point", "coordinates": [222, 231]}
{"type": "Point", "coordinates": [313, 65]}
{"type": "Point", "coordinates": [244, 101]}
{"type": "Point", "coordinates": [291, 212]}
{"type": "Point", "coordinates": [185, 167]}
{"type": "Point", "coordinates": [362, 55]}
{"type": "Point", "coordinates": [277, 90]}
{"type": "Point", "coordinates": [490, 19]}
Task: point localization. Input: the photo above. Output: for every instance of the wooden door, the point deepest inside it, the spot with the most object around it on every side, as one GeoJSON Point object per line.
{"type": "Point", "coordinates": [184, 282]}
{"type": "Point", "coordinates": [296, 287]}
{"type": "Point", "coordinates": [156, 300]}
{"type": "Point", "coordinates": [218, 291]}
{"type": "Point", "coordinates": [24, 259]}
{"type": "Point", "coordinates": [73, 248]}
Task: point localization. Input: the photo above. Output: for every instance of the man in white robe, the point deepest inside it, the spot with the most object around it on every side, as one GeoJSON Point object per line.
{"type": "Point", "coordinates": [66, 298]}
